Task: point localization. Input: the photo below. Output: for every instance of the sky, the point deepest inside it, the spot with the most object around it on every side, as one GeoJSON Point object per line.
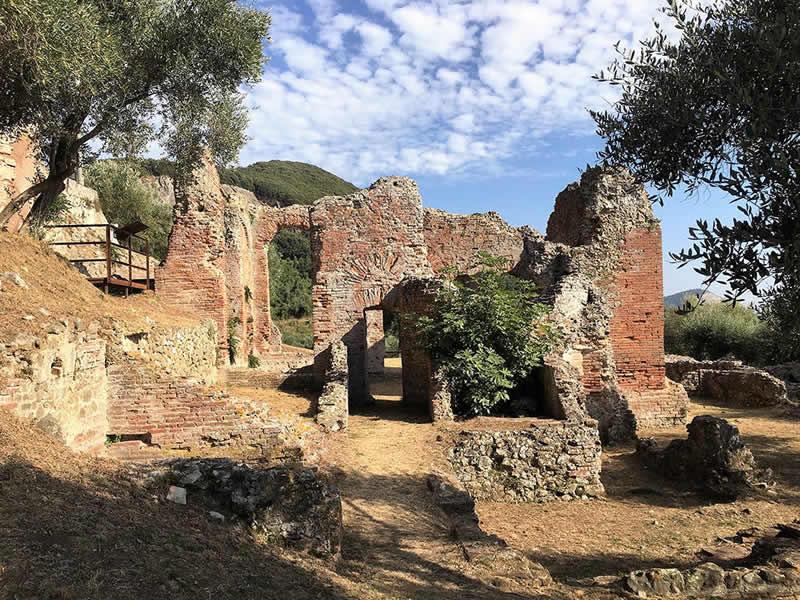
{"type": "Point", "coordinates": [483, 102]}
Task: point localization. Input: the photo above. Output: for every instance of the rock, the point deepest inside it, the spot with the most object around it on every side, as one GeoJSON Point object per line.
{"type": "Point", "coordinates": [176, 494]}
{"type": "Point", "coordinates": [290, 506]}
{"type": "Point", "coordinates": [713, 458]}
{"type": "Point", "coordinates": [655, 582]}
{"type": "Point", "coordinates": [13, 278]}
{"type": "Point", "coordinates": [215, 516]}
{"type": "Point", "coordinates": [728, 381]}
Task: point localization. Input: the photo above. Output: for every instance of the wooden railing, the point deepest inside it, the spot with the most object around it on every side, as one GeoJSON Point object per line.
{"type": "Point", "coordinates": [111, 257]}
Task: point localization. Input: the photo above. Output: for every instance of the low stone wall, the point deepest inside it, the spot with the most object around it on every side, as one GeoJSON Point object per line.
{"type": "Point", "coordinates": [59, 381]}
{"type": "Point", "coordinates": [536, 462]}
{"type": "Point", "coordinates": [728, 381]}
{"type": "Point", "coordinates": [187, 351]}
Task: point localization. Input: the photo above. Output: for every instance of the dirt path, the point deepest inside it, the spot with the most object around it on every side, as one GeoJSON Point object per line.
{"type": "Point", "coordinates": [395, 537]}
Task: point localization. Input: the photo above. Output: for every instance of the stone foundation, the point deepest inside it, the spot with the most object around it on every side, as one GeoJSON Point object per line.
{"type": "Point", "coordinates": [713, 458]}
{"type": "Point", "coordinates": [291, 506]}
{"type": "Point", "coordinates": [539, 461]}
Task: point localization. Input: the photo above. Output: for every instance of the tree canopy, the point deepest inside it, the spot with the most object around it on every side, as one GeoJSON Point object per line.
{"type": "Point", "coordinates": [720, 107]}
{"type": "Point", "coordinates": [123, 73]}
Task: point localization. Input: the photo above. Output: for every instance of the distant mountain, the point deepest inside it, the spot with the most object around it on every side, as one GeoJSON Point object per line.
{"type": "Point", "coordinates": [282, 182]}
{"type": "Point", "coordinates": [679, 299]}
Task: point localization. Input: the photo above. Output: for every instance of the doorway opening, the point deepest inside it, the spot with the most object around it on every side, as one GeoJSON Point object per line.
{"type": "Point", "coordinates": [290, 281]}
{"type": "Point", "coordinates": [384, 366]}
{"type": "Point", "coordinates": [535, 396]}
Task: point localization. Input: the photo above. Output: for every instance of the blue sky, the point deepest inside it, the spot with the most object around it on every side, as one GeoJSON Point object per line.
{"type": "Point", "coordinates": [483, 102]}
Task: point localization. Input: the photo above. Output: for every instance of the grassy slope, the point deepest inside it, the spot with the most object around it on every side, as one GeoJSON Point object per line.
{"type": "Point", "coordinates": [285, 182]}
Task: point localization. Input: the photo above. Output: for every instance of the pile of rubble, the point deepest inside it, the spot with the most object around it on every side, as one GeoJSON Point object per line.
{"type": "Point", "coordinates": [713, 458]}
{"type": "Point", "coordinates": [290, 505]}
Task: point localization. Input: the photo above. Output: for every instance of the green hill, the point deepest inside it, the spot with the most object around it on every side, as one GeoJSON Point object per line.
{"type": "Point", "coordinates": [285, 182]}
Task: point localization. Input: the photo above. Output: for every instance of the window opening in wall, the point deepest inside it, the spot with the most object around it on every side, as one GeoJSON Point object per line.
{"type": "Point", "coordinates": [116, 438]}
{"type": "Point", "coordinates": [290, 279]}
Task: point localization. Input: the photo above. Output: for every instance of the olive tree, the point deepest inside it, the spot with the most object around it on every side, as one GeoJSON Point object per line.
{"type": "Point", "coordinates": [113, 75]}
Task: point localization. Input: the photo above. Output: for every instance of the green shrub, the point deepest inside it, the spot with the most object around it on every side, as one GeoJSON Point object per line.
{"type": "Point", "coordinates": [713, 331]}
{"type": "Point", "coordinates": [487, 332]}
{"type": "Point", "coordinates": [296, 332]}
{"type": "Point", "coordinates": [253, 361]}
{"type": "Point", "coordinates": [125, 199]}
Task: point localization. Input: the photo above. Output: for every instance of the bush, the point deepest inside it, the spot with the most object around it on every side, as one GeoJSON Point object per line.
{"type": "Point", "coordinates": [487, 332]}
{"type": "Point", "coordinates": [125, 199]}
{"type": "Point", "coordinates": [296, 332]}
{"type": "Point", "coordinates": [713, 331]}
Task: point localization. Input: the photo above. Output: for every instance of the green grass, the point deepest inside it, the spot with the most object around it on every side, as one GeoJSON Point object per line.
{"type": "Point", "coordinates": [296, 332]}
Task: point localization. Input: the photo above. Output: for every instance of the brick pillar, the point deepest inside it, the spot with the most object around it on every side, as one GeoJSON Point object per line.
{"type": "Point", "coordinates": [376, 343]}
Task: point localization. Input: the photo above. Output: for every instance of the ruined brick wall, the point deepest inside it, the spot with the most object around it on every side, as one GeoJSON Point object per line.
{"type": "Point", "coordinates": [193, 275]}
{"type": "Point", "coordinates": [179, 413]}
{"type": "Point", "coordinates": [637, 327]}
{"type": "Point", "coordinates": [455, 240]}
{"type": "Point", "coordinates": [363, 245]}
{"type": "Point", "coordinates": [269, 221]}
{"type": "Point", "coordinates": [617, 321]}
{"type": "Point", "coordinates": [19, 169]}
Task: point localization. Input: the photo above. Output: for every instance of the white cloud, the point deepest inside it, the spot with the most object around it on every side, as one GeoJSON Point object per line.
{"type": "Point", "coordinates": [441, 86]}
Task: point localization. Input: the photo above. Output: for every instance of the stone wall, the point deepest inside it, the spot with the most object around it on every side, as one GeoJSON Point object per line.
{"type": "Point", "coordinates": [538, 462]}
{"type": "Point", "coordinates": [181, 351]}
{"type": "Point", "coordinates": [59, 381]}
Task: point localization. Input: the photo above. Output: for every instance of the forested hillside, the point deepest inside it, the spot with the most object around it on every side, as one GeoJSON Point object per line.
{"type": "Point", "coordinates": [283, 182]}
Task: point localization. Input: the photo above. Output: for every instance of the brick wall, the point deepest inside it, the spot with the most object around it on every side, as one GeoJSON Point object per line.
{"type": "Point", "coordinates": [193, 275]}
{"type": "Point", "coordinates": [363, 246]}
{"type": "Point", "coordinates": [637, 327]}
{"type": "Point", "coordinates": [178, 413]}
{"type": "Point", "coordinates": [455, 240]}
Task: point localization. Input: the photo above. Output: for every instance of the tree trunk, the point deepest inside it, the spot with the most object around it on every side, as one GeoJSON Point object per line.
{"type": "Point", "coordinates": [41, 207]}
{"type": "Point", "coordinates": [63, 162]}
{"type": "Point", "coordinates": [20, 201]}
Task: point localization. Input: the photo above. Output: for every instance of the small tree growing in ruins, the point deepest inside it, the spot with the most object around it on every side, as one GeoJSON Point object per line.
{"type": "Point", "coordinates": [487, 332]}
{"type": "Point", "coordinates": [119, 74]}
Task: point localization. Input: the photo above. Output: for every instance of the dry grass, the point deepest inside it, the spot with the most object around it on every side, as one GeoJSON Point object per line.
{"type": "Point", "coordinates": [74, 527]}
{"type": "Point", "coordinates": [644, 521]}
{"type": "Point", "coordinates": [56, 290]}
